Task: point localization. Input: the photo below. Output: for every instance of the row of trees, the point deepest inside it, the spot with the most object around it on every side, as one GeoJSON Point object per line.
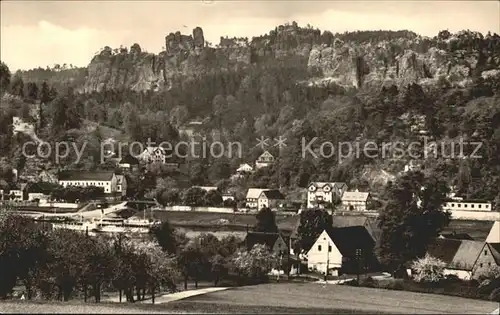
{"type": "Point", "coordinates": [63, 264]}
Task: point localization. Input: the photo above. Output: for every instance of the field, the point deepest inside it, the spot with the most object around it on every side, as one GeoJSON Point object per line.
{"type": "Point", "coordinates": [477, 229]}
{"type": "Point", "coordinates": [221, 221]}
{"type": "Point", "coordinates": [279, 299]}
{"type": "Point", "coordinates": [23, 307]}
{"type": "Point", "coordinates": [317, 298]}
{"type": "Point", "coordinates": [228, 222]}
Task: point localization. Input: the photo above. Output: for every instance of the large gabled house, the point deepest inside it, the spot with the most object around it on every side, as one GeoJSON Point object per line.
{"type": "Point", "coordinates": [153, 155]}
{"type": "Point", "coordinates": [271, 198]}
{"type": "Point", "coordinates": [264, 160]}
{"type": "Point", "coordinates": [252, 197]}
{"type": "Point", "coordinates": [319, 193]}
{"type": "Point", "coordinates": [462, 257]}
{"type": "Point", "coordinates": [355, 200]}
{"type": "Point", "coordinates": [274, 242]}
{"type": "Point", "coordinates": [343, 250]}
{"type": "Point", "coordinates": [106, 180]}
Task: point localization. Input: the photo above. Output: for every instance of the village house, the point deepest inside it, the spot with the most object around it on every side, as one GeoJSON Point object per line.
{"type": "Point", "coordinates": [457, 204]}
{"type": "Point", "coordinates": [47, 177]}
{"type": "Point", "coordinates": [206, 188]}
{"type": "Point", "coordinates": [271, 198]}
{"type": "Point", "coordinates": [264, 160]}
{"type": "Point", "coordinates": [105, 180]}
{"type": "Point", "coordinates": [345, 221]}
{"type": "Point", "coordinates": [128, 163]}
{"type": "Point", "coordinates": [460, 256]}
{"type": "Point", "coordinates": [355, 200]}
{"type": "Point", "coordinates": [342, 250]}
{"type": "Point", "coordinates": [121, 184]}
{"type": "Point", "coordinates": [14, 191]}
{"type": "Point", "coordinates": [227, 196]}
{"type": "Point", "coordinates": [39, 191]}
{"type": "Point", "coordinates": [244, 169]}
{"type": "Point", "coordinates": [273, 241]}
{"type": "Point", "coordinates": [153, 155]}
{"type": "Point", "coordinates": [489, 258]}
{"type": "Point", "coordinates": [252, 197]}
{"type": "Point", "coordinates": [413, 165]}
{"type": "Point", "coordinates": [320, 193]}
{"type": "Point", "coordinates": [494, 235]}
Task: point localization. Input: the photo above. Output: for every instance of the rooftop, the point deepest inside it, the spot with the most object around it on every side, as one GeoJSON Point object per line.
{"type": "Point", "coordinates": [253, 238]}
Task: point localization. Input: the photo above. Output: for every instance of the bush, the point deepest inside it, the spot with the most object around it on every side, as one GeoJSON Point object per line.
{"type": "Point", "coordinates": [495, 295]}
{"type": "Point", "coordinates": [368, 282]}
{"type": "Point", "coordinates": [428, 269]}
{"type": "Point", "coordinates": [394, 285]}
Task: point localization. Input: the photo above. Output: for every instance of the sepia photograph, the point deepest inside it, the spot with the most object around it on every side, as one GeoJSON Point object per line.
{"type": "Point", "coordinates": [249, 156]}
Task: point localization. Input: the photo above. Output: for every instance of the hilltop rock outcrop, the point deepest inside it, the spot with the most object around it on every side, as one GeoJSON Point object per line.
{"type": "Point", "coordinates": [399, 59]}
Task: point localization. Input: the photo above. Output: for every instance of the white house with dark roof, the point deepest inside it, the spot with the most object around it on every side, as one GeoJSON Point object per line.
{"type": "Point", "coordinates": [323, 192]}
{"type": "Point", "coordinates": [244, 168]}
{"type": "Point", "coordinates": [153, 155]}
{"type": "Point", "coordinates": [252, 198]}
{"type": "Point", "coordinates": [106, 180]}
{"type": "Point", "coordinates": [355, 200]}
{"type": "Point", "coordinates": [264, 160]}
{"type": "Point", "coordinates": [270, 198]}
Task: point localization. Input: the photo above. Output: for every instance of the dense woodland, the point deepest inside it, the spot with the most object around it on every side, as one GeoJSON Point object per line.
{"type": "Point", "coordinates": [265, 99]}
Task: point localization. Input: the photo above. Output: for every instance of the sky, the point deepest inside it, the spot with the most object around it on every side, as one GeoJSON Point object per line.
{"type": "Point", "coordinates": [41, 33]}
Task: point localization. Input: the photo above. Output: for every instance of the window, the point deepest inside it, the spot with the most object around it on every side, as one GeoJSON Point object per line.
{"type": "Point", "coordinates": [465, 205]}
{"type": "Point", "coordinates": [472, 206]}
{"type": "Point", "coordinates": [486, 206]}
{"type": "Point", "coordinates": [329, 248]}
{"type": "Point", "coordinates": [452, 204]}
{"type": "Point", "coordinates": [319, 248]}
{"type": "Point", "coordinates": [459, 205]}
{"type": "Point", "coordinates": [481, 265]}
{"type": "Point", "coordinates": [479, 206]}
{"type": "Point", "coordinates": [485, 252]}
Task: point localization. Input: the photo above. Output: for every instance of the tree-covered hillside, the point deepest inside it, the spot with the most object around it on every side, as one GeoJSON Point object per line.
{"type": "Point", "coordinates": [278, 96]}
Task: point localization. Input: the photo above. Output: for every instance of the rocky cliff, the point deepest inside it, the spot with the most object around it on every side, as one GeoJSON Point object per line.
{"type": "Point", "coordinates": [405, 60]}
{"type": "Point", "coordinates": [400, 60]}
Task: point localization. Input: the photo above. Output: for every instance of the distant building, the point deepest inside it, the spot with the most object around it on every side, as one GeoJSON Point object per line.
{"type": "Point", "coordinates": [271, 198]}
{"type": "Point", "coordinates": [105, 180]}
{"type": "Point", "coordinates": [274, 242]}
{"type": "Point", "coordinates": [227, 196]}
{"type": "Point", "coordinates": [467, 205]}
{"type": "Point", "coordinates": [207, 188]}
{"type": "Point", "coordinates": [243, 170]}
{"type": "Point", "coordinates": [47, 177]}
{"type": "Point", "coordinates": [128, 162]}
{"type": "Point", "coordinates": [342, 250]}
{"type": "Point", "coordinates": [252, 198]}
{"type": "Point", "coordinates": [14, 191]}
{"type": "Point", "coordinates": [323, 192]}
{"type": "Point", "coordinates": [39, 191]}
{"type": "Point", "coordinates": [264, 160]}
{"type": "Point", "coordinates": [413, 165]}
{"type": "Point", "coordinates": [355, 200]}
{"type": "Point", "coordinates": [121, 184]}
{"type": "Point", "coordinates": [153, 155]}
